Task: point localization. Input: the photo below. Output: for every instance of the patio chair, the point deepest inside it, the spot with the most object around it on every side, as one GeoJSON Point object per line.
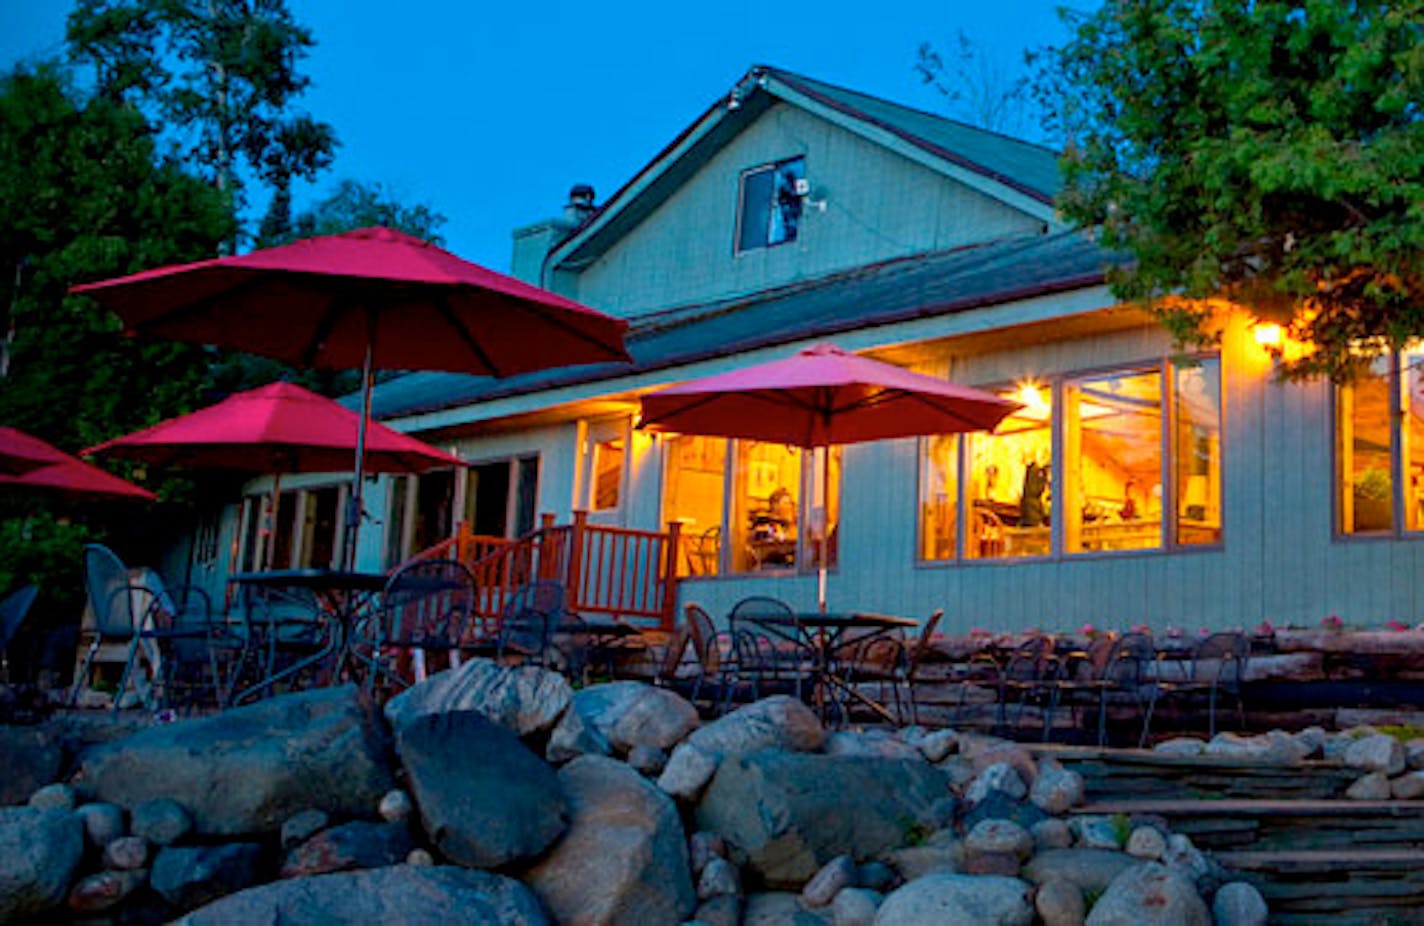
{"type": "Point", "coordinates": [286, 640]}
{"type": "Point", "coordinates": [702, 552]}
{"type": "Point", "coordinates": [1028, 677]}
{"type": "Point", "coordinates": [1218, 667]}
{"type": "Point", "coordinates": [14, 607]}
{"type": "Point", "coordinates": [893, 661]}
{"type": "Point", "coordinates": [424, 611]}
{"type": "Point", "coordinates": [776, 662]}
{"type": "Point", "coordinates": [529, 622]}
{"type": "Point", "coordinates": [1112, 669]}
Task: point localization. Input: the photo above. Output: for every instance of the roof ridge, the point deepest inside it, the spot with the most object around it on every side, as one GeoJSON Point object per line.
{"type": "Point", "coordinates": [839, 88]}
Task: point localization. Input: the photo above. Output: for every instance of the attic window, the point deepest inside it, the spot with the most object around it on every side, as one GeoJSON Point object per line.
{"type": "Point", "coordinates": [770, 204]}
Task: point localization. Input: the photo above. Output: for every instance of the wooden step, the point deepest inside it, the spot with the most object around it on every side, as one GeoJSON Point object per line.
{"type": "Point", "coordinates": [1345, 886]}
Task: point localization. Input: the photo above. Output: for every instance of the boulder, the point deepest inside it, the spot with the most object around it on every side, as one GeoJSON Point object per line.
{"type": "Point", "coordinates": [778, 722]}
{"type": "Point", "coordinates": [1377, 752]}
{"type": "Point", "coordinates": [103, 822]}
{"type": "Point", "coordinates": [40, 852]}
{"type": "Point", "coordinates": [1051, 833]}
{"type": "Point", "coordinates": [879, 744]}
{"type": "Point", "coordinates": [358, 844]}
{"type": "Point", "coordinates": [997, 805]}
{"type": "Point", "coordinates": [631, 714]}
{"type": "Point", "coordinates": [572, 737]}
{"type": "Point", "coordinates": [855, 906]}
{"type": "Point", "coordinates": [837, 874]}
{"type": "Point", "coordinates": [1407, 787]}
{"type": "Point", "coordinates": [778, 908]}
{"type": "Point", "coordinates": [1000, 776]}
{"type": "Point", "coordinates": [647, 760]}
{"type": "Point", "coordinates": [485, 800]}
{"type": "Point", "coordinates": [877, 876]}
{"type": "Point", "coordinates": [104, 890]}
{"type": "Point", "coordinates": [162, 821]}
{"type": "Point", "coordinates": [402, 895]}
{"type": "Point", "coordinates": [938, 746]}
{"type": "Point", "coordinates": [1372, 787]}
{"type": "Point", "coordinates": [1180, 746]}
{"type": "Point", "coordinates": [1149, 895]}
{"type": "Point", "coordinates": [1239, 904]}
{"type": "Point", "coordinates": [1191, 863]}
{"type": "Point", "coordinates": [1098, 831]}
{"type": "Point", "coordinates": [33, 759]}
{"type": "Point", "coordinates": [1087, 869]}
{"type": "Point", "coordinates": [942, 853]}
{"type": "Point", "coordinates": [1056, 788]}
{"type": "Point", "coordinates": [719, 877]}
{"type": "Point", "coordinates": [703, 847]}
{"type": "Point", "coordinates": [1413, 754]}
{"type": "Point", "coordinates": [525, 699]}
{"type": "Point", "coordinates": [57, 796]}
{"type": "Point", "coordinates": [126, 853]}
{"type": "Point", "coordinates": [300, 827]}
{"type": "Point", "coordinates": [1060, 903]}
{"type": "Point", "coordinates": [785, 814]}
{"type": "Point", "coordinates": [965, 900]}
{"type": "Point", "coordinates": [624, 857]}
{"type": "Point", "coordinates": [1147, 843]}
{"type": "Point", "coordinates": [721, 910]}
{"type": "Point", "coordinates": [249, 769]}
{"type": "Point", "coordinates": [190, 876]}
{"type": "Point", "coordinates": [998, 836]}
{"type": "Point", "coordinates": [395, 806]}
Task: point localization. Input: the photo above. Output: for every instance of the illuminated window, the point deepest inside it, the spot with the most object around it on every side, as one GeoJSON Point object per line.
{"type": "Point", "coordinates": [608, 458]}
{"type": "Point", "coordinates": [1113, 482]}
{"type": "Point", "coordinates": [1010, 475]}
{"type": "Point", "coordinates": [693, 496]}
{"type": "Point", "coordinates": [1380, 464]}
{"type": "Point", "coordinates": [939, 495]}
{"type": "Point", "coordinates": [1196, 451]}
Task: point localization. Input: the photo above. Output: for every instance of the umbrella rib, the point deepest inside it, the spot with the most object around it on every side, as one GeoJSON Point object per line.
{"type": "Point", "coordinates": [442, 306]}
{"type": "Point", "coordinates": [174, 316]}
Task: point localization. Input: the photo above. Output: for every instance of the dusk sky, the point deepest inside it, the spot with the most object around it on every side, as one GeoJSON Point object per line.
{"type": "Point", "coordinates": [490, 112]}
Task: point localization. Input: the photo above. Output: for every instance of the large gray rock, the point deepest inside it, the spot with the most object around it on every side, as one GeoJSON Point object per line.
{"type": "Point", "coordinates": [1089, 869]}
{"type": "Point", "coordinates": [526, 699]}
{"type": "Point", "coordinates": [247, 770]}
{"type": "Point", "coordinates": [1376, 752]}
{"type": "Point", "coordinates": [624, 857]}
{"type": "Point", "coordinates": [33, 759]}
{"type": "Point", "coordinates": [785, 814]}
{"type": "Point", "coordinates": [104, 890]}
{"type": "Point", "coordinates": [190, 876]}
{"type": "Point", "coordinates": [1149, 895]}
{"type": "Point", "coordinates": [40, 851]}
{"type": "Point", "coordinates": [572, 737]}
{"type": "Point", "coordinates": [1239, 904]}
{"type": "Point", "coordinates": [965, 900]}
{"type": "Point", "coordinates": [879, 744]}
{"type": "Point", "coordinates": [358, 844]}
{"type": "Point", "coordinates": [484, 798]}
{"type": "Point", "coordinates": [402, 895]}
{"type": "Point", "coordinates": [631, 714]}
{"type": "Point", "coordinates": [778, 722]}
{"type": "Point", "coordinates": [779, 908]}
{"type": "Point", "coordinates": [103, 822]}
{"type": "Point", "coordinates": [1056, 788]}
{"type": "Point", "coordinates": [1060, 904]}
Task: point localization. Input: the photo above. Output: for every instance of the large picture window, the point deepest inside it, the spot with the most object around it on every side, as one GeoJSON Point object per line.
{"type": "Point", "coordinates": [1141, 468]}
{"type": "Point", "coordinates": [693, 494]}
{"type": "Point", "coordinates": [1379, 464]}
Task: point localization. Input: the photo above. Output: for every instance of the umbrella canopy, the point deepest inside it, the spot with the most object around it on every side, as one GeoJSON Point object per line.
{"type": "Point", "coordinates": [20, 453]}
{"type": "Point", "coordinates": [278, 428]}
{"type": "Point", "coordinates": [60, 472]}
{"type": "Point", "coordinates": [322, 302]}
{"type": "Point", "coordinates": [372, 298]}
{"type": "Point", "coordinates": [819, 397]}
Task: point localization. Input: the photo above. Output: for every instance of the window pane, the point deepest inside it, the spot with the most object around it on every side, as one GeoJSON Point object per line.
{"type": "Point", "coordinates": [939, 496]}
{"type": "Point", "coordinates": [434, 509]}
{"type": "Point", "coordinates": [1009, 504]}
{"type": "Point", "coordinates": [283, 530]}
{"type": "Point", "coordinates": [1412, 374]}
{"type": "Point", "coordinates": [526, 494]}
{"type": "Point", "coordinates": [1362, 449]}
{"type": "Point", "coordinates": [319, 545]}
{"type": "Point", "coordinates": [1113, 439]}
{"type": "Point", "coordinates": [755, 221]}
{"type": "Point", "coordinates": [825, 507]}
{"type": "Point", "coordinates": [766, 502]}
{"type": "Point", "coordinates": [786, 210]}
{"type": "Point", "coordinates": [607, 474]}
{"type": "Point", "coordinates": [1197, 452]}
{"type": "Point", "coordinates": [696, 474]}
{"type": "Point", "coordinates": [395, 521]}
{"type": "Point", "coordinates": [252, 514]}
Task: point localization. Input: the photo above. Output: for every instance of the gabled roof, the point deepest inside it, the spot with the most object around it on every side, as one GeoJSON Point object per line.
{"type": "Point", "coordinates": [903, 289]}
{"type": "Point", "coordinates": [1017, 170]}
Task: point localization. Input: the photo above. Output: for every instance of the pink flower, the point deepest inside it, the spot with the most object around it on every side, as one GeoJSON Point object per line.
{"type": "Point", "coordinates": [1087, 630]}
{"type": "Point", "coordinates": [1174, 631]}
{"type": "Point", "coordinates": [1332, 622]}
{"type": "Point", "coordinates": [1265, 627]}
{"type": "Point", "coordinates": [1397, 625]}
{"type": "Point", "coordinates": [1141, 628]}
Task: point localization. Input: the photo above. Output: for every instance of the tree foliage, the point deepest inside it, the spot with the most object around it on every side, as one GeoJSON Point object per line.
{"type": "Point", "coordinates": [223, 72]}
{"type": "Point", "coordinates": [979, 88]}
{"type": "Point", "coordinates": [1271, 153]}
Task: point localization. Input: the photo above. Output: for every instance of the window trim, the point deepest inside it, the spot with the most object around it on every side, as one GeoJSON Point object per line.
{"type": "Point", "coordinates": [1397, 467]}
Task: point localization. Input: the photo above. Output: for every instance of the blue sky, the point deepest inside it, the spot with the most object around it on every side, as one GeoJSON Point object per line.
{"type": "Point", "coordinates": [489, 112]}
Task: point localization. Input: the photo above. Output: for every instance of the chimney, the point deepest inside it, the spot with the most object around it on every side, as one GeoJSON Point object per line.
{"type": "Point", "coordinates": [532, 243]}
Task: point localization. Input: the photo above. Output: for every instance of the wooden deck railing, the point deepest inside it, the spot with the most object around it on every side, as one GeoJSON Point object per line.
{"type": "Point", "coordinates": [613, 571]}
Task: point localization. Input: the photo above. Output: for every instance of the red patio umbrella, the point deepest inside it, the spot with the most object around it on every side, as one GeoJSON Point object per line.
{"type": "Point", "coordinates": [369, 298]}
{"type": "Point", "coordinates": [819, 397]}
{"type": "Point", "coordinates": [19, 453]}
{"type": "Point", "coordinates": [60, 472]}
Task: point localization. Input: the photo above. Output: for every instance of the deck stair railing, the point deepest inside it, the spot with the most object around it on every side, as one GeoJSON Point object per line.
{"type": "Point", "coordinates": [613, 571]}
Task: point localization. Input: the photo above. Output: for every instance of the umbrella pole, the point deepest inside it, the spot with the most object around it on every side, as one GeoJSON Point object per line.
{"type": "Point", "coordinates": [825, 525]}
{"type": "Point", "coordinates": [353, 516]}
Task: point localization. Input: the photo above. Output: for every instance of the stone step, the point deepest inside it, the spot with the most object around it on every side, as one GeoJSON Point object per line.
{"type": "Point", "coordinates": [1345, 887]}
{"type": "Point", "coordinates": [1144, 774]}
{"type": "Point", "coordinates": [1269, 825]}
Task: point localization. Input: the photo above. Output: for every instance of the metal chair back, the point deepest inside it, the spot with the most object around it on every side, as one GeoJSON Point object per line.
{"type": "Point", "coordinates": [530, 618]}
{"type": "Point", "coordinates": [703, 632]}
{"type": "Point", "coordinates": [427, 602]}
{"type": "Point", "coordinates": [13, 609]}
{"type": "Point", "coordinates": [106, 579]}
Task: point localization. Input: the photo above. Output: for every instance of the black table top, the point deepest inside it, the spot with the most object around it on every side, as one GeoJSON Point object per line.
{"type": "Point", "coordinates": [849, 620]}
{"type": "Point", "coordinates": [313, 578]}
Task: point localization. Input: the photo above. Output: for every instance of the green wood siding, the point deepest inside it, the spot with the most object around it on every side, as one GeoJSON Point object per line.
{"type": "Point", "coordinates": [878, 205]}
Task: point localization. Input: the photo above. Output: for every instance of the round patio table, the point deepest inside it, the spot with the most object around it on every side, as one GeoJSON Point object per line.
{"type": "Point", "coordinates": [823, 635]}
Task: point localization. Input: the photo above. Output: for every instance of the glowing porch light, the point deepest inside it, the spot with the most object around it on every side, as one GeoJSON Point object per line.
{"type": "Point", "coordinates": [1031, 398]}
{"type": "Point", "coordinates": [1270, 336]}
